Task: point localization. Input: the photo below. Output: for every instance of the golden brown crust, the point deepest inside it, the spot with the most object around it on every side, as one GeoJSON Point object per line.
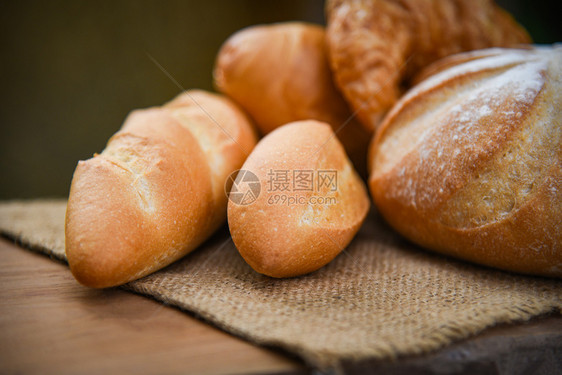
{"type": "Point", "coordinates": [469, 162]}
{"type": "Point", "coordinates": [151, 196]}
{"type": "Point", "coordinates": [376, 46]}
{"type": "Point", "coordinates": [301, 233]}
{"type": "Point", "coordinates": [222, 131]}
{"type": "Point", "coordinates": [280, 73]}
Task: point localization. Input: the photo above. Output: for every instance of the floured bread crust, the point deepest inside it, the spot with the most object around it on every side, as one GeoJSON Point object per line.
{"type": "Point", "coordinates": [469, 162]}
{"type": "Point", "coordinates": [376, 46]}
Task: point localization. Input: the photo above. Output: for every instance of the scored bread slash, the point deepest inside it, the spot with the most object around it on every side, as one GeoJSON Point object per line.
{"type": "Point", "coordinates": [156, 191]}
{"type": "Point", "coordinates": [297, 202]}
{"type": "Point", "coordinates": [469, 162]}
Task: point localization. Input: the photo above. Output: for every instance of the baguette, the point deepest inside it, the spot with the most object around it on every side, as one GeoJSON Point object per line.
{"type": "Point", "coordinates": [279, 73]}
{"type": "Point", "coordinates": [469, 162]}
{"type": "Point", "coordinates": [156, 191]}
{"type": "Point", "coordinates": [298, 219]}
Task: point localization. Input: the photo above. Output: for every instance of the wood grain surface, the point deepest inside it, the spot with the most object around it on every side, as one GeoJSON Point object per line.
{"type": "Point", "coordinates": [49, 324]}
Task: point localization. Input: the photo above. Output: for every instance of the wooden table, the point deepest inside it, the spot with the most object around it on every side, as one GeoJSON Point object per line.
{"type": "Point", "coordinates": [51, 325]}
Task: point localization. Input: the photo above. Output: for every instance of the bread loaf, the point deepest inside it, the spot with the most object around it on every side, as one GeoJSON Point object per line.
{"type": "Point", "coordinates": [469, 162]}
{"type": "Point", "coordinates": [279, 73]}
{"type": "Point", "coordinates": [307, 201]}
{"type": "Point", "coordinates": [377, 46]}
{"type": "Point", "coordinates": [156, 191]}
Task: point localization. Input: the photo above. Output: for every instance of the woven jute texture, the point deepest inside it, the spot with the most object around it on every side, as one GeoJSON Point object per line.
{"type": "Point", "coordinates": [381, 298]}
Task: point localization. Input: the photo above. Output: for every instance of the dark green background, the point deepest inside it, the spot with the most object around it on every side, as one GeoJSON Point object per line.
{"type": "Point", "coordinates": [71, 70]}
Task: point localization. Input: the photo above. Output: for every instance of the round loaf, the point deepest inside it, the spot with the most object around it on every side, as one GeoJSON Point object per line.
{"type": "Point", "coordinates": [156, 191]}
{"type": "Point", "coordinates": [309, 205]}
{"type": "Point", "coordinates": [469, 162]}
{"type": "Point", "coordinates": [279, 73]}
{"type": "Point", "coordinates": [376, 46]}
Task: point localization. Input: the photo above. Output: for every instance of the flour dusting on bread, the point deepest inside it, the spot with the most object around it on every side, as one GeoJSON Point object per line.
{"type": "Point", "coordinates": [471, 158]}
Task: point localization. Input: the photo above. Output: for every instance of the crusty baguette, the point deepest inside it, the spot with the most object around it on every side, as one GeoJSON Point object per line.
{"type": "Point", "coordinates": [156, 191]}
{"type": "Point", "coordinates": [469, 162]}
{"type": "Point", "coordinates": [296, 225]}
{"type": "Point", "coordinates": [279, 73]}
{"type": "Point", "coordinates": [377, 46]}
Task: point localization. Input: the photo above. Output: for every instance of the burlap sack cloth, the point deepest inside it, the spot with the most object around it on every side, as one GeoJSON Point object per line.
{"type": "Point", "coordinates": [381, 298]}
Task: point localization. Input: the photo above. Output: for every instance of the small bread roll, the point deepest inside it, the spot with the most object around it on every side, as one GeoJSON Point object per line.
{"type": "Point", "coordinates": [307, 204]}
{"type": "Point", "coordinates": [469, 162]}
{"type": "Point", "coordinates": [280, 73]}
{"type": "Point", "coordinates": [377, 46]}
{"type": "Point", "coordinates": [156, 191]}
